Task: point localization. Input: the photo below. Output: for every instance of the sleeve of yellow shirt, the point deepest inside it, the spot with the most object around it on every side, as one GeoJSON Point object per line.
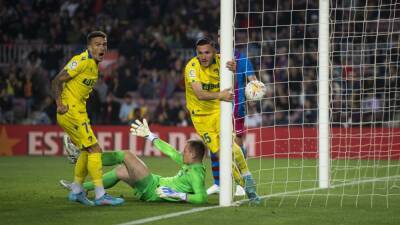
{"type": "Point", "coordinates": [75, 66]}
{"type": "Point", "coordinates": [192, 72]}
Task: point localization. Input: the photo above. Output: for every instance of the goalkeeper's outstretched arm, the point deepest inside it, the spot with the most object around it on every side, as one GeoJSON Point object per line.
{"type": "Point", "coordinates": [142, 130]}
{"type": "Point", "coordinates": [168, 150]}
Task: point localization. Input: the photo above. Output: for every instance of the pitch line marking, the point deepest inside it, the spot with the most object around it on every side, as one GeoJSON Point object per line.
{"type": "Point", "coordinates": [176, 214]}
{"type": "Point", "coordinates": [170, 215]}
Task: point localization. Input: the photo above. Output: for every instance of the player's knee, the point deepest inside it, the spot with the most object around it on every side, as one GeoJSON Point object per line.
{"type": "Point", "coordinates": [94, 148]}
{"type": "Point", "coordinates": [239, 140]}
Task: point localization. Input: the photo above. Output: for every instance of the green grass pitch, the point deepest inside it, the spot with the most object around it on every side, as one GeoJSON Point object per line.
{"type": "Point", "coordinates": [30, 194]}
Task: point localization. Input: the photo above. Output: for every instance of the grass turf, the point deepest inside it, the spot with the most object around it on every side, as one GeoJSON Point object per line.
{"type": "Point", "coordinates": [30, 194]}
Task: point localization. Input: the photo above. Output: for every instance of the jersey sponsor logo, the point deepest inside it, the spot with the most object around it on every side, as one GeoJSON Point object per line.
{"type": "Point", "coordinates": [89, 82]}
{"type": "Point", "coordinates": [208, 87]}
{"type": "Point", "coordinates": [192, 73]}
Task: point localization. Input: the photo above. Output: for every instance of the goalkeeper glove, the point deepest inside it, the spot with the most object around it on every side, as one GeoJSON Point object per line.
{"type": "Point", "coordinates": [142, 130]}
{"type": "Point", "coordinates": [167, 192]}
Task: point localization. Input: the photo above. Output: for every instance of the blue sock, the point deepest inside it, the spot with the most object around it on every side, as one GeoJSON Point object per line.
{"type": "Point", "coordinates": [215, 168]}
{"type": "Point", "coordinates": [244, 150]}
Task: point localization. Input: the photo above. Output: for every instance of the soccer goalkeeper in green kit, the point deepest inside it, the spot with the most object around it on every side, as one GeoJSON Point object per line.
{"type": "Point", "coordinates": [187, 185]}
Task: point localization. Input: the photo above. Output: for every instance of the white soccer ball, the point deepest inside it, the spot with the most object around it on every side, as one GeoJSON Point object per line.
{"type": "Point", "coordinates": [255, 90]}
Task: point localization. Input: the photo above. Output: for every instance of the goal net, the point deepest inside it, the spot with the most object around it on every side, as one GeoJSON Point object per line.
{"type": "Point", "coordinates": [280, 38]}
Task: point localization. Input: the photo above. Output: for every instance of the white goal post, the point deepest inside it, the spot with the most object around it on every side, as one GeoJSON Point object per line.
{"type": "Point", "coordinates": [225, 197]}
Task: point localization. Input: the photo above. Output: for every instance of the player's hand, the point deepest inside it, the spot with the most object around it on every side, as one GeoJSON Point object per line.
{"type": "Point", "coordinates": [231, 65]}
{"type": "Point", "coordinates": [61, 108]}
{"type": "Point", "coordinates": [226, 95]}
{"type": "Point", "coordinates": [167, 192]}
{"type": "Point", "coordinates": [140, 129]}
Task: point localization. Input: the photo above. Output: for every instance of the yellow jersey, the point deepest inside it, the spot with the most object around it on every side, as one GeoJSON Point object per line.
{"type": "Point", "coordinates": [209, 79]}
{"type": "Point", "coordinates": [84, 72]}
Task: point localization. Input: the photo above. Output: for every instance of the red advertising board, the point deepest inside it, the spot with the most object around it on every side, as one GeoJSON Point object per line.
{"type": "Point", "coordinates": [278, 142]}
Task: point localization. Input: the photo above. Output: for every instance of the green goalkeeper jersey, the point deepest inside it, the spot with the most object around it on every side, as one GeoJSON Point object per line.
{"type": "Point", "coordinates": [189, 179]}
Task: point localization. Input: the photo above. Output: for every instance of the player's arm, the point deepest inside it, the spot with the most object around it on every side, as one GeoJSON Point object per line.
{"type": "Point", "coordinates": [249, 70]}
{"type": "Point", "coordinates": [74, 67]}
{"type": "Point", "coordinates": [57, 86]}
{"type": "Point", "coordinates": [168, 150]}
{"type": "Point", "coordinates": [191, 75]}
{"type": "Point", "coordinates": [199, 195]}
{"type": "Point", "coordinates": [225, 95]}
{"type": "Point", "coordinates": [142, 130]}
{"type": "Point", "coordinates": [232, 65]}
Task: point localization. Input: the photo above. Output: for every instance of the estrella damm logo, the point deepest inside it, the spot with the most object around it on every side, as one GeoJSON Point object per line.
{"type": "Point", "coordinates": [89, 82]}
{"type": "Point", "coordinates": [208, 87]}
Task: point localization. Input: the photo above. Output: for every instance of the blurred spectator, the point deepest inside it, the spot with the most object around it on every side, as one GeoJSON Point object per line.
{"type": "Point", "coordinates": [253, 118]}
{"type": "Point", "coordinates": [183, 120]}
{"type": "Point", "coordinates": [110, 110]}
{"type": "Point", "coordinates": [101, 89]}
{"type": "Point", "coordinates": [127, 106]}
{"type": "Point", "coordinates": [153, 45]}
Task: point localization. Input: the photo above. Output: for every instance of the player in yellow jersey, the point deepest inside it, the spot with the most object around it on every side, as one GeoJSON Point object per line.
{"type": "Point", "coordinates": [203, 98]}
{"type": "Point", "coordinates": [71, 89]}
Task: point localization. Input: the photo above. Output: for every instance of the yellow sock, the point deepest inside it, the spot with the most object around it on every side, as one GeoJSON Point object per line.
{"type": "Point", "coordinates": [237, 176]}
{"type": "Point", "coordinates": [80, 171]}
{"type": "Point", "coordinates": [94, 166]}
{"type": "Point", "coordinates": [239, 159]}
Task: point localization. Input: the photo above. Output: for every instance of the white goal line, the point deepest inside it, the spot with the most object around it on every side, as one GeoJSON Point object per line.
{"type": "Point", "coordinates": [200, 209]}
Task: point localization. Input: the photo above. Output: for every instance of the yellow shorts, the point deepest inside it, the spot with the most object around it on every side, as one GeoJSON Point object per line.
{"type": "Point", "coordinates": [207, 126]}
{"type": "Point", "coordinates": [77, 126]}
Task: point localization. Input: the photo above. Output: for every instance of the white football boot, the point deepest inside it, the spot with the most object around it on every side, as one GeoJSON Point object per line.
{"type": "Point", "coordinates": [214, 189]}
{"type": "Point", "coordinates": [239, 191]}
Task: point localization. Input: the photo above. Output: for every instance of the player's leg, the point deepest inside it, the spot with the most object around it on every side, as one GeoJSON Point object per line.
{"type": "Point", "coordinates": [136, 168]}
{"type": "Point", "coordinates": [95, 170]}
{"type": "Point", "coordinates": [215, 173]}
{"type": "Point", "coordinates": [109, 158]}
{"type": "Point", "coordinates": [80, 171]}
{"type": "Point", "coordinates": [239, 131]}
{"type": "Point", "coordinates": [239, 154]}
{"type": "Point", "coordinates": [135, 173]}
{"type": "Point", "coordinates": [111, 178]}
{"type": "Point", "coordinates": [239, 188]}
{"type": "Point", "coordinates": [205, 127]}
{"type": "Point", "coordinates": [249, 183]}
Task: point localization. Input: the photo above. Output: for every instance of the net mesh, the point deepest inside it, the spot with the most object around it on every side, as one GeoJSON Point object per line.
{"type": "Point", "coordinates": [280, 39]}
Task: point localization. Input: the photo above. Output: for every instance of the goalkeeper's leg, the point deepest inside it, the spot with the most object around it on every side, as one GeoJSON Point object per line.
{"type": "Point", "coordinates": [110, 178]}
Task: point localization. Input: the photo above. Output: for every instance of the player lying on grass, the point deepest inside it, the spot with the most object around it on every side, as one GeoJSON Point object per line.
{"type": "Point", "coordinates": [187, 185]}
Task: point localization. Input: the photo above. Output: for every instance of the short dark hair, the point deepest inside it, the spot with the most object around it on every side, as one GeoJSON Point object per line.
{"type": "Point", "coordinates": [94, 34]}
{"type": "Point", "coordinates": [198, 147]}
{"type": "Point", "coordinates": [205, 41]}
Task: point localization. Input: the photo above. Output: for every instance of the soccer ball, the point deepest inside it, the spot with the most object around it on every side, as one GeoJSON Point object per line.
{"type": "Point", "coordinates": [255, 90]}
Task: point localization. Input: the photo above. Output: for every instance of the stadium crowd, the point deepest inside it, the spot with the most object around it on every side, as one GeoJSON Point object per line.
{"type": "Point", "coordinates": [147, 81]}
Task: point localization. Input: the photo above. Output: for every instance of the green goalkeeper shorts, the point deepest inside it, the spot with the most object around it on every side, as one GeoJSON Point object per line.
{"type": "Point", "coordinates": [145, 189]}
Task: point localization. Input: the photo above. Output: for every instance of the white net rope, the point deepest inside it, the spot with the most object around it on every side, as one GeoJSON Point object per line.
{"type": "Point", "coordinates": [280, 38]}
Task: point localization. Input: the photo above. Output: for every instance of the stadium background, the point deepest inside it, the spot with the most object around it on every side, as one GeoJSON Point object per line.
{"type": "Point", "coordinates": [149, 44]}
{"type": "Point", "coordinates": [148, 48]}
